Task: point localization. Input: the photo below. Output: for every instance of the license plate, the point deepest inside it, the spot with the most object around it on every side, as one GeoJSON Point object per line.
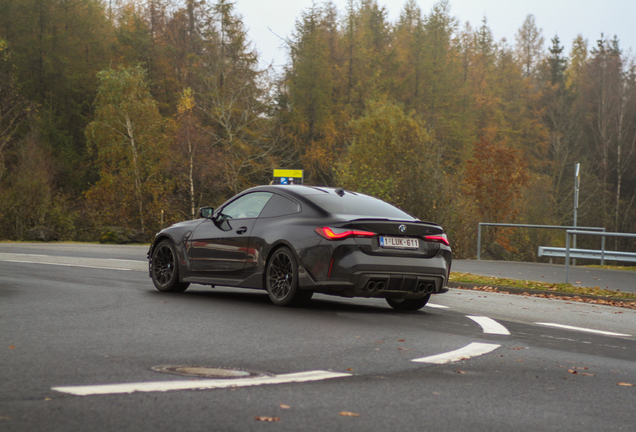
{"type": "Point", "coordinates": [399, 243]}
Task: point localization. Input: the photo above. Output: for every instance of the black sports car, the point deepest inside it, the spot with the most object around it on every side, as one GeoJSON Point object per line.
{"type": "Point", "coordinates": [297, 240]}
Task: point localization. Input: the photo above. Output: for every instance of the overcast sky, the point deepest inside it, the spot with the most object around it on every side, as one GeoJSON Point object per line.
{"type": "Point", "coordinates": [265, 19]}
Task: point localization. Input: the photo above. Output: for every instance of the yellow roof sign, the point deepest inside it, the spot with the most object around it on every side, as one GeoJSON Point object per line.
{"type": "Point", "coordinates": [288, 173]}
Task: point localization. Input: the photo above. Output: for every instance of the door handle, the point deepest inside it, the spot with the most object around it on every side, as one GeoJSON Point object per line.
{"type": "Point", "coordinates": [241, 230]}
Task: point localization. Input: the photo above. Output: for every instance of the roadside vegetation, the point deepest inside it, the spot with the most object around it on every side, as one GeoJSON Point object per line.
{"type": "Point", "coordinates": [612, 267]}
{"type": "Point", "coordinates": [544, 289]}
{"type": "Point", "coordinates": [132, 114]}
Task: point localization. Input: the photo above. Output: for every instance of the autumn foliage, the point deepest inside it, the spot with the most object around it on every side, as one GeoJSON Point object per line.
{"type": "Point", "coordinates": [495, 177]}
{"type": "Point", "coordinates": [135, 114]}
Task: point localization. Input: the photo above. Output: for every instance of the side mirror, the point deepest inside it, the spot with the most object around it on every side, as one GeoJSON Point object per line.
{"type": "Point", "coordinates": [206, 212]}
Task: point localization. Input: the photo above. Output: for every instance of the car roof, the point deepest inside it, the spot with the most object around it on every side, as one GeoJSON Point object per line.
{"type": "Point", "coordinates": [300, 190]}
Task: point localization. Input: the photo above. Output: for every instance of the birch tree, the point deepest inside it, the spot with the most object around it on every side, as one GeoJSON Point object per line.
{"type": "Point", "coordinates": [129, 139]}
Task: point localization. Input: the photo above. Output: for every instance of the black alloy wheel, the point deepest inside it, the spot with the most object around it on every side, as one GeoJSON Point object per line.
{"type": "Point", "coordinates": [408, 304]}
{"type": "Point", "coordinates": [281, 280]}
{"type": "Point", "coordinates": [165, 268]}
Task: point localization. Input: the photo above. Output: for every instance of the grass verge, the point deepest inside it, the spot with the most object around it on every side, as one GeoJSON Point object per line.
{"type": "Point", "coordinates": [543, 289]}
{"type": "Point", "coordinates": [612, 267]}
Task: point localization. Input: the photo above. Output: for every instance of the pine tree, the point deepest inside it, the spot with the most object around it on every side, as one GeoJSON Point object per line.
{"type": "Point", "coordinates": [233, 100]}
{"type": "Point", "coordinates": [529, 46]}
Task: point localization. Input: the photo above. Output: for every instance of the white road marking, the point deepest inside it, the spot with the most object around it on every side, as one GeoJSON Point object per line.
{"type": "Point", "coordinates": [472, 350]}
{"type": "Point", "coordinates": [162, 386]}
{"type": "Point", "coordinates": [70, 265]}
{"type": "Point", "coordinates": [96, 263]}
{"type": "Point", "coordinates": [489, 325]}
{"type": "Point", "coordinates": [581, 329]}
{"type": "Point", "coordinates": [436, 306]}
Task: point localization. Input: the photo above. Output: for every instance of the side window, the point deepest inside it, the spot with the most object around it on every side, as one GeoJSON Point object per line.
{"type": "Point", "coordinates": [280, 206]}
{"type": "Point", "coordinates": [246, 207]}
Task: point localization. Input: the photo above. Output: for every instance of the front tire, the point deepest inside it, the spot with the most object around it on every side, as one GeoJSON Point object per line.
{"type": "Point", "coordinates": [281, 280]}
{"type": "Point", "coordinates": [165, 268]}
{"type": "Point", "coordinates": [408, 304]}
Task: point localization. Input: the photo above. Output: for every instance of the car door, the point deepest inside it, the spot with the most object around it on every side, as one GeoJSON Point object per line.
{"type": "Point", "coordinates": [221, 246]}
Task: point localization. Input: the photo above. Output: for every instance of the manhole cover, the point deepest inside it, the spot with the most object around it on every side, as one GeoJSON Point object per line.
{"type": "Point", "coordinates": [209, 372]}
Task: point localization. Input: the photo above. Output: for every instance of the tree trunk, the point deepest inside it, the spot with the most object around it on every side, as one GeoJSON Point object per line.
{"type": "Point", "coordinates": [135, 153]}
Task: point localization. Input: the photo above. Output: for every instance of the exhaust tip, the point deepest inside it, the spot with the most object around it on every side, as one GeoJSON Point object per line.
{"type": "Point", "coordinates": [371, 286]}
{"type": "Point", "coordinates": [430, 288]}
{"type": "Point", "coordinates": [381, 285]}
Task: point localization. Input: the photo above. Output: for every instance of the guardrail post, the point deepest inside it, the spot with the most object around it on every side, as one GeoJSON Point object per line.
{"type": "Point", "coordinates": [602, 250]}
{"type": "Point", "coordinates": [567, 256]}
{"type": "Point", "coordinates": [479, 242]}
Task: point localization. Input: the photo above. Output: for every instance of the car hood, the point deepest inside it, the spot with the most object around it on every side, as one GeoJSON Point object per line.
{"type": "Point", "coordinates": [182, 225]}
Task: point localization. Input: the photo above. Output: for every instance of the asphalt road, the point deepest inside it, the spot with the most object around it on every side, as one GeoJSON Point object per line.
{"type": "Point", "coordinates": [74, 318]}
{"type": "Point", "coordinates": [615, 280]}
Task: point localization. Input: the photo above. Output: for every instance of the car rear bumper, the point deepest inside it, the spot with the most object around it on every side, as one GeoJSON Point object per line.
{"type": "Point", "coordinates": [361, 275]}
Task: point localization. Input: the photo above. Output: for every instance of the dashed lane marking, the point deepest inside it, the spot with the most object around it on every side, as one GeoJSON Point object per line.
{"type": "Point", "coordinates": [163, 386]}
{"type": "Point", "coordinates": [489, 325]}
{"type": "Point", "coordinates": [582, 329]}
{"type": "Point", "coordinates": [471, 350]}
{"type": "Point", "coordinates": [436, 306]}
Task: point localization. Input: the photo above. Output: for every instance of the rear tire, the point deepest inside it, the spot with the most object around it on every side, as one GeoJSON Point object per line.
{"type": "Point", "coordinates": [281, 280]}
{"type": "Point", "coordinates": [165, 268]}
{"type": "Point", "coordinates": [408, 304]}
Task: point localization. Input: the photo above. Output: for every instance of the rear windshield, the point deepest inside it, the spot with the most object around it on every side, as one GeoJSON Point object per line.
{"type": "Point", "coordinates": [358, 205]}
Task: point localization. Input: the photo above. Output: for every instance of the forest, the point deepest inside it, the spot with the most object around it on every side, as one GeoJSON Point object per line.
{"type": "Point", "coordinates": [135, 113]}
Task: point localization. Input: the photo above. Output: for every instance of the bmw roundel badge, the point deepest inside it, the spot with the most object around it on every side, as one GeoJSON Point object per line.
{"type": "Point", "coordinates": [402, 228]}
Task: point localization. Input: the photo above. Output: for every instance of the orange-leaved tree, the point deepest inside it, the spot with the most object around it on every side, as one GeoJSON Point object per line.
{"type": "Point", "coordinates": [496, 177]}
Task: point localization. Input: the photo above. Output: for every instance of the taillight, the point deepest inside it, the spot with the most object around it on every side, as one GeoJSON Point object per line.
{"type": "Point", "coordinates": [341, 233]}
{"type": "Point", "coordinates": [441, 238]}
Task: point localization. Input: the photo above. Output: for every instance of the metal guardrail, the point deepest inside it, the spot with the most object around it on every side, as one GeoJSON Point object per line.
{"type": "Point", "coordinates": [581, 231]}
{"type": "Point", "coordinates": [561, 227]}
{"type": "Point", "coordinates": [557, 252]}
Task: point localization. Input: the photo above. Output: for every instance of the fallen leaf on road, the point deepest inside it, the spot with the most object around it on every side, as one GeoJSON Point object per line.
{"type": "Point", "coordinates": [349, 369]}
{"type": "Point", "coordinates": [11, 346]}
{"type": "Point", "coordinates": [587, 374]}
{"type": "Point", "coordinates": [404, 349]}
{"type": "Point", "coordinates": [625, 384]}
{"type": "Point", "coordinates": [572, 371]}
{"type": "Point", "coordinates": [401, 340]}
{"type": "Point", "coordinates": [349, 414]}
{"type": "Point", "coordinates": [267, 419]}
{"type": "Point", "coordinates": [461, 372]}
{"type": "Point", "coordinates": [283, 406]}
